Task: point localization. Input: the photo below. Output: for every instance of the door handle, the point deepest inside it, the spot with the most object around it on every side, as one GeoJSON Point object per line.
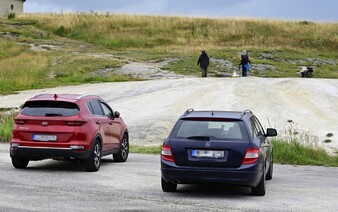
{"type": "Point", "coordinates": [97, 122]}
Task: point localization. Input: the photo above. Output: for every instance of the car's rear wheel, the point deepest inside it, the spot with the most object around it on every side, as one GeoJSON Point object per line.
{"type": "Point", "coordinates": [92, 164]}
{"type": "Point", "coordinates": [270, 171]}
{"type": "Point", "coordinates": [259, 190]}
{"type": "Point", "coordinates": [168, 186]}
{"type": "Point", "coordinates": [122, 155]}
{"type": "Point", "coordinates": [20, 163]}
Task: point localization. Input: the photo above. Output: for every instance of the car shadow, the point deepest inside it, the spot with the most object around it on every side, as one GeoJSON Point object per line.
{"type": "Point", "coordinates": [53, 165]}
{"type": "Point", "coordinates": [63, 165]}
{"type": "Point", "coordinates": [213, 190]}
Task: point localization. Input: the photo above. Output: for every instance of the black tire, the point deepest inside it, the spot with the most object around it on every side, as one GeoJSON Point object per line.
{"type": "Point", "coordinates": [20, 163]}
{"type": "Point", "coordinates": [270, 171]}
{"type": "Point", "coordinates": [122, 155]}
{"type": "Point", "coordinates": [168, 186]}
{"type": "Point", "coordinates": [92, 164]}
{"type": "Point", "coordinates": [259, 190]}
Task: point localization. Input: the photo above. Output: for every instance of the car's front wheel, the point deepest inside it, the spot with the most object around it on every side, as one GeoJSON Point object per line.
{"type": "Point", "coordinates": [20, 163]}
{"type": "Point", "coordinates": [168, 186]}
{"type": "Point", "coordinates": [92, 164]}
{"type": "Point", "coordinates": [122, 155]}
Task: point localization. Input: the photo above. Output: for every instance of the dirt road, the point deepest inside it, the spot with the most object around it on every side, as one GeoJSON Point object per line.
{"type": "Point", "coordinates": [150, 108]}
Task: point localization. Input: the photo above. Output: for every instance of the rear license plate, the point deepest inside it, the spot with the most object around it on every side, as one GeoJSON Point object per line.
{"type": "Point", "coordinates": [207, 154]}
{"type": "Point", "coordinates": [44, 137]}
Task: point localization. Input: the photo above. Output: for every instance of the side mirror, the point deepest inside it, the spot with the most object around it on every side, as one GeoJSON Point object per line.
{"type": "Point", "coordinates": [116, 114]}
{"type": "Point", "coordinates": [270, 132]}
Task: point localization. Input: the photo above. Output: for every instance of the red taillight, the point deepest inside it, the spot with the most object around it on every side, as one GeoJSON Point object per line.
{"type": "Point", "coordinates": [76, 123]}
{"type": "Point", "coordinates": [167, 153]}
{"type": "Point", "coordinates": [19, 121]}
{"type": "Point", "coordinates": [251, 155]}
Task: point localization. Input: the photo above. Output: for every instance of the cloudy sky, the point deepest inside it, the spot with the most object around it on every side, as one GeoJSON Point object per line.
{"type": "Point", "coordinates": [298, 10]}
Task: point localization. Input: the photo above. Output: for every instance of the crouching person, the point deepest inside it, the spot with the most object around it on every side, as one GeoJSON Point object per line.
{"type": "Point", "coordinates": [306, 72]}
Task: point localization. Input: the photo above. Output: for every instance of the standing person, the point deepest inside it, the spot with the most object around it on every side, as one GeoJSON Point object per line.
{"type": "Point", "coordinates": [245, 62]}
{"type": "Point", "coordinates": [203, 61]}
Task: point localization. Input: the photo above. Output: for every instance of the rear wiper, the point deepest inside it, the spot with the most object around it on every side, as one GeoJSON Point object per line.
{"type": "Point", "coordinates": [53, 114]}
{"type": "Point", "coordinates": [203, 138]}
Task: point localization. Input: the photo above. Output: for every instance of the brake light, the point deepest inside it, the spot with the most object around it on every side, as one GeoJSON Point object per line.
{"type": "Point", "coordinates": [166, 153]}
{"type": "Point", "coordinates": [20, 121]}
{"type": "Point", "coordinates": [76, 123]}
{"type": "Point", "coordinates": [251, 155]}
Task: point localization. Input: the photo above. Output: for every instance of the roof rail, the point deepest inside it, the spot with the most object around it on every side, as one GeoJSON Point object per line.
{"type": "Point", "coordinates": [188, 111]}
{"type": "Point", "coordinates": [245, 112]}
{"type": "Point", "coordinates": [86, 95]}
{"type": "Point", "coordinates": [41, 94]}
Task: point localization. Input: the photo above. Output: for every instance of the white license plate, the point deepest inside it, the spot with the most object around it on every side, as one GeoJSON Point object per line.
{"type": "Point", "coordinates": [207, 154]}
{"type": "Point", "coordinates": [44, 137]}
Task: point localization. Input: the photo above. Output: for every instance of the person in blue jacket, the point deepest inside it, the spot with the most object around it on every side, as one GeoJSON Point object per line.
{"type": "Point", "coordinates": [245, 62]}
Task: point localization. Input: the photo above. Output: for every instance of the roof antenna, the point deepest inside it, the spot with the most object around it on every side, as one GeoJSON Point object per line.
{"type": "Point", "coordinates": [212, 113]}
{"type": "Point", "coordinates": [55, 96]}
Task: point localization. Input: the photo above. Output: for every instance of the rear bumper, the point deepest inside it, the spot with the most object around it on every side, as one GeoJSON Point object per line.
{"type": "Point", "coordinates": [246, 175]}
{"type": "Point", "coordinates": [39, 153]}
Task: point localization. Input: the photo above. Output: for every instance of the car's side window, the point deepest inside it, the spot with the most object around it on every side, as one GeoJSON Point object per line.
{"type": "Point", "coordinates": [95, 108]}
{"type": "Point", "coordinates": [255, 130]}
{"type": "Point", "coordinates": [91, 110]}
{"type": "Point", "coordinates": [260, 129]}
{"type": "Point", "coordinates": [106, 110]}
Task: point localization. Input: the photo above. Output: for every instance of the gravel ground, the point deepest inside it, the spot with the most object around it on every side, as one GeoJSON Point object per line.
{"type": "Point", "coordinates": [135, 186]}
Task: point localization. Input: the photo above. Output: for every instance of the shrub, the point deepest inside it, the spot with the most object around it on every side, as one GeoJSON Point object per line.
{"type": "Point", "coordinates": [11, 16]}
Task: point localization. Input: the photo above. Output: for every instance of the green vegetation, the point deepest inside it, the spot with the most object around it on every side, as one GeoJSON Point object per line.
{"type": "Point", "coordinates": [6, 125]}
{"type": "Point", "coordinates": [145, 149]}
{"type": "Point", "coordinates": [55, 61]}
{"type": "Point", "coordinates": [297, 154]}
{"type": "Point", "coordinates": [11, 16]}
{"type": "Point", "coordinates": [74, 39]}
{"type": "Point", "coordinates": [134, 31]}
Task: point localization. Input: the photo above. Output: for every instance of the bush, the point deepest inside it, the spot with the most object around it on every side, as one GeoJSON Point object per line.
{"type": "Point", "coordinates": [11, 16]}
{"type": "Point", "coordinates": [62, 31]}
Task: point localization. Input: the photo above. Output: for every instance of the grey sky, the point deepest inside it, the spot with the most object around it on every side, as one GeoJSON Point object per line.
{"type": "Point", "coordinates": [310, 10]}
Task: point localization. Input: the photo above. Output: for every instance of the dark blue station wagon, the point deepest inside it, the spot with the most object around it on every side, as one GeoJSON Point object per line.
{"type": "Point", "coordinates": [218, 147]}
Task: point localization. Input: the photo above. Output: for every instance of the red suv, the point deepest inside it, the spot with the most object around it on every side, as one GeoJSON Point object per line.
{"type": "Point", "coordinates": [68, 126]}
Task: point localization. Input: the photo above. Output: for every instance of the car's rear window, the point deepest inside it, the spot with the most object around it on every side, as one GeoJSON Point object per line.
{"type": "Point", "coordinates": [225, 130]}
{"type": "Point", "coordinates": [50, 108]}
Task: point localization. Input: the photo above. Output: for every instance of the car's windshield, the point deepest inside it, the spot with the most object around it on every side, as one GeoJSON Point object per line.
{"type": "Point", "coordinates": [210, 129]}
{"type": "Point", "coordinates": [50, 108]}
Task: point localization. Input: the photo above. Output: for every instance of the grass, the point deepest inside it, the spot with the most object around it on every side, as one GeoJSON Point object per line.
{"type": "Point", "coordinates": [296, 153]}
{"type": "Point", "coordinates": [145, 149]}
{"type": "Point", "coordinates": [135, 31]}
{"type": "Point", "coordinates": [68, 65]}
{"type": "Point", "coordinates": [6, 125]}
{"type": "Point", "coordinates": [154, 38]}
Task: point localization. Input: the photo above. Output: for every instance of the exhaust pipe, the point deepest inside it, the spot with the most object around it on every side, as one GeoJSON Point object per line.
{"type": "Point", "coordinates": [175, 181]}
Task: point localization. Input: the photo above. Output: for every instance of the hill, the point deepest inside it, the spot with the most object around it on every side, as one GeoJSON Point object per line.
{"type": "Point", "coordinates": [47, 50]}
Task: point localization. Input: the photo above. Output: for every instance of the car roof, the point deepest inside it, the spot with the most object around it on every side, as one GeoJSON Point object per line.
{"type": "Point", "coordinates": [61, 97]}
{"type": "Point", "coordinates": [215, 114]}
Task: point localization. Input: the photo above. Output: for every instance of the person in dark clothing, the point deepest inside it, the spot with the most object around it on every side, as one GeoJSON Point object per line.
{"type": "Point", "coordinates": [245, 62]}
{"type": "Point", "coordinates": [203, 62]}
